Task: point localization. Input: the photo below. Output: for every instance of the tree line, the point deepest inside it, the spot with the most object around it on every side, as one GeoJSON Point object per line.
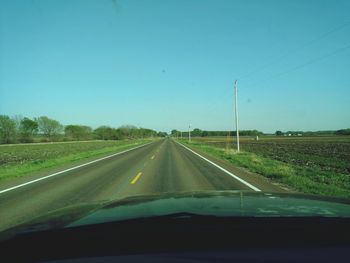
{"type": "Point", "coordinates": [202, 133]}
{"type": "Point", "coordinates": [45, 129]}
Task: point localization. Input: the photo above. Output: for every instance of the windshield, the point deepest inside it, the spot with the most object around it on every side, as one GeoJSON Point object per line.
{"type": "Point", "coordinates": [163, 101]}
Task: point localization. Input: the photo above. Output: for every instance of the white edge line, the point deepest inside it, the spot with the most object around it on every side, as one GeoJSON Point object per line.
{"type": "Point", "coordinates": [70, 169]}
{"type": "Point", "coordinates": [223, 169]}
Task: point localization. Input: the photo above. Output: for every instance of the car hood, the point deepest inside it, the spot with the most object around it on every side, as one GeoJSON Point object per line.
{"type": "Point", "coordinates": [204, 203]}
{"type": "Point", "coordinates": [218, 203]}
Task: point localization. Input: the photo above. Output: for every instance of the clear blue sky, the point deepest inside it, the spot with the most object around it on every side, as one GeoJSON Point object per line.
{"type": "Point", "coordinates": [165, 64]}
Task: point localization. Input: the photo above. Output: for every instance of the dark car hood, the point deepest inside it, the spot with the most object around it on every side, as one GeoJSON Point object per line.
{"type": "Point", "coordinates": [213, 203]}
{"type": "Point", "coordinates": [218, 203]}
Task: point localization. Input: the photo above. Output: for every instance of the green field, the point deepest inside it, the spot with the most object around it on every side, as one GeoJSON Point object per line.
{"type": "Point", "coordinates": [19, 160]}
{"type": "Point", "coordinates": [324, 153]}
{"type": "Point", "coordinates": [318, 165]}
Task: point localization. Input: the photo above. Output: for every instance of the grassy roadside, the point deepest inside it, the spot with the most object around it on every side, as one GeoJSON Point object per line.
{"type": "Point", "coordinates": [301, 179]}
{"type": "Point", "coordinates": [23, 160]}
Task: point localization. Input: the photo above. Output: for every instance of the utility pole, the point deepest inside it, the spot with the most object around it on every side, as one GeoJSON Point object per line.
{"type": "Point", "coordinates": [189, 133]}
{"type": "Point", "coordinates": [236, 114]}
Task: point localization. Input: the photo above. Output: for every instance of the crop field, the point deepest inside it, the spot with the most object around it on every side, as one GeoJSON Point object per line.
{"type": "Point", "coordinates": [20, 159]}
{"type": "Point", "coordinates": [319, 165]}
{"type": "Point", "coordinates": [324, 153]}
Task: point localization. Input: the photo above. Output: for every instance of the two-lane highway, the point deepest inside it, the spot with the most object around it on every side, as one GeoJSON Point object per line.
{"type": "Point", "coordinates": [163, 166]}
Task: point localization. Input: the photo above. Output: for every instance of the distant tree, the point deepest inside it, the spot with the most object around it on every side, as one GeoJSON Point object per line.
{"type": "Point", "coordinates": [105, 133]}
{"type": "Point", "coordinates": [278, 133]}
{"type": "Point", "coordinates": [250, 133]}
{"type": "Point", "coordinates": [129, 131]}
{"type": "Point", "coordinates": [174, 132]}
{"type": "Point", "coordinates": [78, 132]}
{"type": "Point", "coordinates": [18, 118]}
{"type": "Point", "coordinates": [162, 134]}
{"type": "Point", "coordinates": [117, 134]}
{"type": "Point", "coordinates": [343, 132]}
{"type": "Point", "coordinates": [204, 133]}
{"type": "Point", "coordinates": [27, 129]}
{"type": "Point", "coordinates": [196, 132]}
{"type": "Point", "coordinates": [49, 127]}
{"type": "Point", "coordinates": [7, 129]}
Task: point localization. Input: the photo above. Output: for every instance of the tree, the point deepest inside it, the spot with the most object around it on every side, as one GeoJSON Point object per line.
{"type": "Point", "coordinates": [343, 132]}
{"type": "Point", "coordinates": [18, 118]}
{"type": "Point", "coordinates": [146, 133]}
{"type": "Point", "coordinates": [174, 132]}
{"type": "Point", "coordinates": [105, 133]}
{"type": "Point", "coordinates": [49, 127]}
{"type": "Point", "coordinates": [278, 133]}
{"type": "Point", "coordinates": [78, 132]}
{"type": "Point", "coordinates": [162, 134]}
{"type": "Point", "coordinates": [27, 129]}
{"type": "Point", "coordinates": [204, 133]}
{"type": "Point", "coordinates": [196, 132]}
{"type": "Point", "coordinates": [129, 131]}
{"type": "Point", "coordinates": [7, 129]}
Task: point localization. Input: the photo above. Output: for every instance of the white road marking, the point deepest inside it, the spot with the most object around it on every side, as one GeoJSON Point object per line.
{"type": "Point", "coordinates": [223, 169]}
{"type": "Point", "coordinates": [70, 169]}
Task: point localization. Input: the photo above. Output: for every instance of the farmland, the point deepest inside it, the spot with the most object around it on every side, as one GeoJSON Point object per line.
{"type": "Point", "coordinates": [322, 161]}
{"type": "Point", "coordinates": [324, 153]}
{"type": "Point", "coordinates": [24, 159]}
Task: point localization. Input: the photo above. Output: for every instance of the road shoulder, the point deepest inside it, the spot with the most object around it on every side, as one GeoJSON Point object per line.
{"type": "Point", "coordinates": [261, 182]}
{"type": "Point", "coordinates": [15, 181]}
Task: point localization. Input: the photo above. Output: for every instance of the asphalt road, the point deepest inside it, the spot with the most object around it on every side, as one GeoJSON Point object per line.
{"type": "Point", "coordinates": [159, 167]}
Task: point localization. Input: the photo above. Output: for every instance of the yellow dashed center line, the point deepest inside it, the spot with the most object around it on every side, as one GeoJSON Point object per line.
{"type": "Point", "coordinates": [136, 178]}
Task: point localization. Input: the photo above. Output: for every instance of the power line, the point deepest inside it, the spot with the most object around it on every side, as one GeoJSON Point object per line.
{"type": "Point", "coordinates": [295, 50]}
{"type": "Point", "coordinates": [323, 36]}
{"type": "Point", "coordinates": [312, 61]}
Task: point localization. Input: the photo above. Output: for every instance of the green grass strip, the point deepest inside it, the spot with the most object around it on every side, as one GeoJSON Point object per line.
{"type": "Point", "coordinates": [8, 172]}
{"type": "Point", "coordinates": [298, 178]}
